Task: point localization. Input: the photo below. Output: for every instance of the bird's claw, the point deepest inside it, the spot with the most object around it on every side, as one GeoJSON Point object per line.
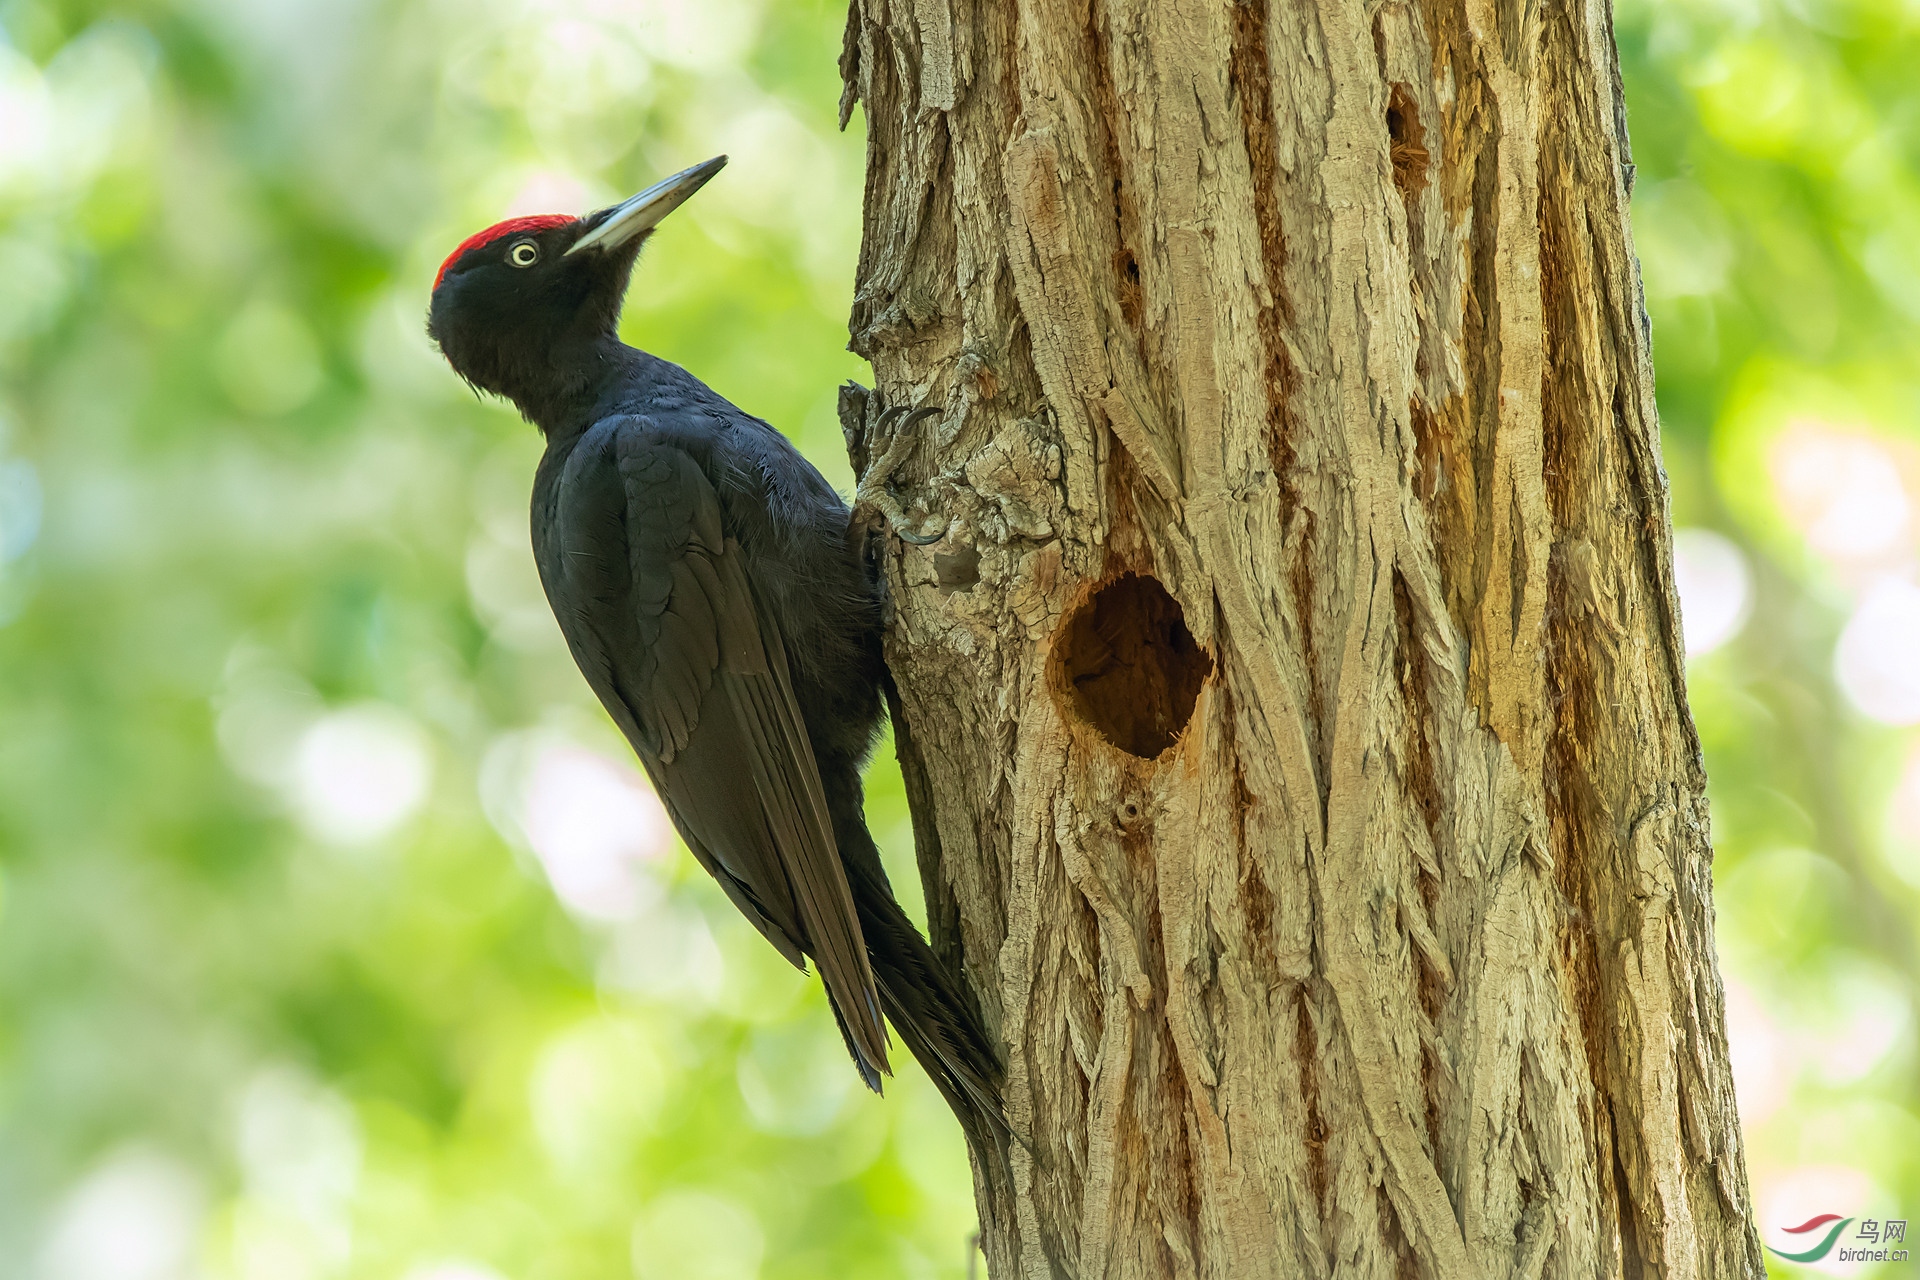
{"type": "Point", "coordinates": [895, 414]}
{"type": "Point", "coordinates": [919, 539]}
{"type": "Point", "coordinates": [874, 493]}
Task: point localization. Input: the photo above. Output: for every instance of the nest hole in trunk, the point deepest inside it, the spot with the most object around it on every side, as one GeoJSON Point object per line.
{"type": "Point", "coordinates": [1127, 665]}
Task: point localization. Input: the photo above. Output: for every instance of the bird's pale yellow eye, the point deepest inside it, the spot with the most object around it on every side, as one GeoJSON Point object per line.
{"type": "Point", "coordinates": [524, 254]}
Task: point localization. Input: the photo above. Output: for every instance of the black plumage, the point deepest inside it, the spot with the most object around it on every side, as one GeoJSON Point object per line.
{"type": "Point", "coordinates": [721, 604]}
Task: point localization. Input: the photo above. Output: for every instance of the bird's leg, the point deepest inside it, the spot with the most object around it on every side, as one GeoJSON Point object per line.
{"type": "Point", "coordinates": [874, 494]}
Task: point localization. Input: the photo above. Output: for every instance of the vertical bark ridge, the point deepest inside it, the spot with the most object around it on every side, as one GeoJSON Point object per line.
{"type": "Point", "coordinates": [1251, 82]}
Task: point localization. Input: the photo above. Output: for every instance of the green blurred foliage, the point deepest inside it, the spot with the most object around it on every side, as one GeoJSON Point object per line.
{"type": "Point", "coordinates": [293, 760]}
{"type": "Point", "coordinates": [338, 937]}
{"type": "Point", "coordinates": [1777, 217]}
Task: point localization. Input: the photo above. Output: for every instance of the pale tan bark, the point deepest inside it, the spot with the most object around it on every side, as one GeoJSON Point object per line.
{"type": "Point", "coordinates": [1398, 961]}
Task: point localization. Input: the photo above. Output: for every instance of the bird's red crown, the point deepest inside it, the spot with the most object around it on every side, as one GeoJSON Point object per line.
{"type": "Point", "coordinates": [532, 222]}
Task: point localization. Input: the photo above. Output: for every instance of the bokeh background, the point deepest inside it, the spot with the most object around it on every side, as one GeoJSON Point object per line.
{"type": "Point", "coordinates": [338, 936]}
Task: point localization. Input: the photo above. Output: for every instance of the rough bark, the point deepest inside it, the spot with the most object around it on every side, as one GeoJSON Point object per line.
{"type": "Point", "coordinates": [1294, 708]}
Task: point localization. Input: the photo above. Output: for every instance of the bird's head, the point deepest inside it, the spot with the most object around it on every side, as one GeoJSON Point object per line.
{"type": "Point", "coordinates": [520, 308]}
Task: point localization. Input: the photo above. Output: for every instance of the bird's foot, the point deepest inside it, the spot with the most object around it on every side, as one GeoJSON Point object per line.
{"type": "Point", "coordinates": [874, 493]}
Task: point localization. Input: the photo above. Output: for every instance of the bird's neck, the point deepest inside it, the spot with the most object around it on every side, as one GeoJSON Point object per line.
{"type": "Point", "coordinates": [563, 397]}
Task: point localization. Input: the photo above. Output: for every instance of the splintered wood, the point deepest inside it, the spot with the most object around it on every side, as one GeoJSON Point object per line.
{"type": "Point", "coordinates": [1294, 709]}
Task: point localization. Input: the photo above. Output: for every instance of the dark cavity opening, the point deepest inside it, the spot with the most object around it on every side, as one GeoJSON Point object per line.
{"type": "Point", "coordinates": [1407, 150]}
{"type": "Point", "coordinates": [1127, 270]}
{"type": "Point", "coordinates": [1129, 667]}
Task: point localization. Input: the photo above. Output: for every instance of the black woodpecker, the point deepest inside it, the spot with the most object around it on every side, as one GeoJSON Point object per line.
{"type": "Point", "coordinates": [719, 599]}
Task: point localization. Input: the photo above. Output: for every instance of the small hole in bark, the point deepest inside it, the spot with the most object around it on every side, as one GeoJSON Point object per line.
{"type": "Point", "coordinates": [1407, 150]}
{"type": "Point", "coordinates": [1129, 667]}
{"type": "Point", "coordinates": [957, 570]}
{"type": "Point", "coordinates": [1127, 271]}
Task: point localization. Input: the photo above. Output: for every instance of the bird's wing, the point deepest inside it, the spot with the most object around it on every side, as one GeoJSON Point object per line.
{"type": "Point", "coordinates": [662, 616]}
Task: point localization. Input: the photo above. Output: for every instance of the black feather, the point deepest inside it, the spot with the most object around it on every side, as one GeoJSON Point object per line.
{"type": "Point", "coordinates": [709, 587]}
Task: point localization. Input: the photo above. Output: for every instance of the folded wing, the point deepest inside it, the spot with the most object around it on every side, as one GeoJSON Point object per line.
{"type": "Point", "coordinates": [662, 617]}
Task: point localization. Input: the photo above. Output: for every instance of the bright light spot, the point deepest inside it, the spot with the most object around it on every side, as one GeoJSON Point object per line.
{"type": "Point", "coordinates": [1878, 658]}
{"type": "Point", "coordinates": [690, 1235]}
{"type": "Point", "coordinates": [299, 1149]}
{"type": "Point", "coordinates": [1715, 588]}
{"type": "Point", "coordinates": [265, 1242]}
{"type": "Point", "coordinates": [1754, 95]}
{"type": "Point", "coordinates": [26, 116]}
{"type": "Point", "coordinates": [100, 86]}
{"type": "Point", "coordinates": [589, 81]}
{"type": "Point", "coordinates": [299, 1146]}
{"type": "Point", "coordinates": [705, 35]}
{"type": "Point", "coordinates": [452, 1269]}
{"type": "Point", "coordinates": [1765, 898]}
{"type": "Point", "coordinates": [593, 822]}
{"type": "Point", "coordinates": [504, 585]}
{"type": "Point", "coordinates": [361, 772]}
{"type": "Point", "coordinates": [19, 508]}
{"type": "Point", "coordinates": [1893, 261]}
{"type": "Point", "coordinates": [794, 189]}
{"type": "Point", "coordinates": [1903, 821]}
{"type": "Point", "coordinates": [1787, 1198]}
{"type": "Point", "coordinates": [1842, 491]}
{"type": "Point", "coordinates": [60, 127]}
{"type": "Point", "coordinates": [1685, 248]}
{"type": "Point", "coordinates": [39, 276]}
{"type": "Point", "coordinates": [548, 192]}
{"type": "Point", "coordinates": [785, 157]}
{"type": "Point", "coordinates": [1762, 1074]}
{"type": "Point", "coordinates": [929, 1150]}
{"type": "Point", "coordinates": [594, 1091]}
{"type": "Point", "coordinates": [795, 1078]}
{"type": "Point", "coordinates": [395, 351]}
{"type": "Point", "coordinates": [261, 714]}
{"type": "Point", "coordinates": [137, 1216]}
{"type": "Point", "coordinates": [1867, 1018]}
{"type": "Point", "coordinates": [669, 955]}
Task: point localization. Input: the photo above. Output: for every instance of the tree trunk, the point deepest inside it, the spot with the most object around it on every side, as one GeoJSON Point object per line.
{"type": "Point", "coordinates": [1294, 709]}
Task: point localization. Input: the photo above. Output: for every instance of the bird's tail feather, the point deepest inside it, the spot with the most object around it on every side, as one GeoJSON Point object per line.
{"type": "Point", "coordinates": [925, 1005]}
{"type": "Point", "coordinates": [869, 1074]}
{"type": "Point", "coordinates": [968, 1088]}
{"type": "Point", "coordinates": [922, 1000]}
{"type": "Point", "coordinates": [926, 1010]}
